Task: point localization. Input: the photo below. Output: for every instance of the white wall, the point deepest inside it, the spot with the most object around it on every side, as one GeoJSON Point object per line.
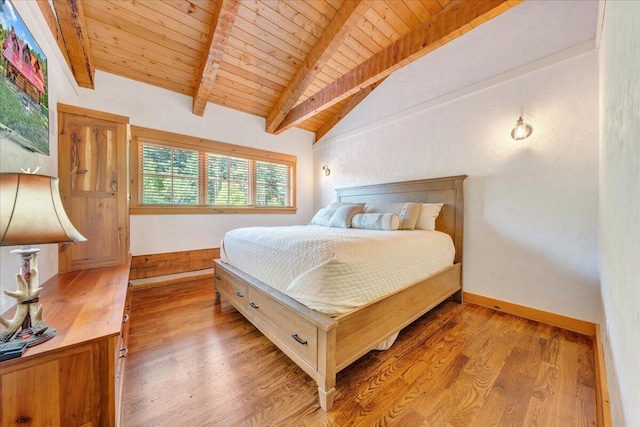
{"type": "Point", "coordinates": [531, 207]}
{"type": "Point", "coordinates": [620, 205]}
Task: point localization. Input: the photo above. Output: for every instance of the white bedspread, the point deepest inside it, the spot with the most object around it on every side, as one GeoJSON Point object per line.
{"type": "Point", "coordinates": [334, 270]}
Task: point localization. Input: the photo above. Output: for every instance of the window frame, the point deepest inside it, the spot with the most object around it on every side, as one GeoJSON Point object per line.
{"type": "Point", "coordinates": [140, 135]}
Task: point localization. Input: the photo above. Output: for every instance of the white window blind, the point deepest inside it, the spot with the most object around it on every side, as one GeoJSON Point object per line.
{"type": "Point", "coordinates": [171, 176]}
{"type": "Point", "coordinates": [273, 184]}
{"type": "Point", "coordinates": [228, 181]}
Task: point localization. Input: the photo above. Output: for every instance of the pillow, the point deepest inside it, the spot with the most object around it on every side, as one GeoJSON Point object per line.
{"type": "Point", "coordinates": [322, 217]}
{"type": "Point", "coordinates": [407, 212]}
{"type": "Point", "coordinates": [342, 217]}
{"type": "Point", "coordinates": [376, 221]}
{"type": "Point", "coordinates": [428, 215]}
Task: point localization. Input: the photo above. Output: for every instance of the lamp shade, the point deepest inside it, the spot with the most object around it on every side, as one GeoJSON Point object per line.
{"type": "Point", "coordinates": [31, 211]}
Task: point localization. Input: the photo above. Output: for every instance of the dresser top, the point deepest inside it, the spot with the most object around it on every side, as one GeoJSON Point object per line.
{"type": "Point", "coordinates": [83, 305]}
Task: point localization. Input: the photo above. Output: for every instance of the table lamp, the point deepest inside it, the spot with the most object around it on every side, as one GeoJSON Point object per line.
{"type": "Point", "coordinates": [31, 213]}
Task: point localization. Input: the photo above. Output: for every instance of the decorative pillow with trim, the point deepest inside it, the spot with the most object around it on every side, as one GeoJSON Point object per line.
{"type": "Point", "coordinates": [407, 212]}
{"type": "Point", "coordinates": [376, 221]}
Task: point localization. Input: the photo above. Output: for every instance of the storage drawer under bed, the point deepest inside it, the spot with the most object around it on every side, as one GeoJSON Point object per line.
{"type": "Point", "coordinates": [289, 328]}
{"type": "Point", "coordinates": [235, 291]}
{"type": "Point", "coordinates": [271, 317]}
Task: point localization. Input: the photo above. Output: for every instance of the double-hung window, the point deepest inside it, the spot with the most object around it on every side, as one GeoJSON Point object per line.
{"type": "Point", "coordinates": [179, 174]}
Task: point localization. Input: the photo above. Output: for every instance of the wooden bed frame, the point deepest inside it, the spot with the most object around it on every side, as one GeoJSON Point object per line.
{"type": "Point", "coordinates": [322, 345]}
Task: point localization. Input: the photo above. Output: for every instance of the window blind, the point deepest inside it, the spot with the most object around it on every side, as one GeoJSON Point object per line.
{"type": "Point", "coordinates": [171, 176]}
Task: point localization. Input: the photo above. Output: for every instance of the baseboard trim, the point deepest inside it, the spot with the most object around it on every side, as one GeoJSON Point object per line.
{"type": "Point", "coordinates": [576, 325]}
{"type": "Point", "coordinates": [603, 407]}
{"type": "Point", "coordinates": [168, 280]}
{"type": "Point", "coordinates": [155, 265]}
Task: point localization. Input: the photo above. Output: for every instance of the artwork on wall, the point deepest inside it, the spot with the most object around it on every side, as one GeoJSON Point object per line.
{"type": "Point", "coordinates": [24, 100]}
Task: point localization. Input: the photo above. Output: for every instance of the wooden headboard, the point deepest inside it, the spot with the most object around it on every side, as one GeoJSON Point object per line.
{"type": "Point", "coordinates": [448, 190]}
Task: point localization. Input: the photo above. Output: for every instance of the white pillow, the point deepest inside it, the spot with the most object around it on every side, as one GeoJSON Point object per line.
{"type": "Point", "coordinates": [407, 212]}
{"type": "Point", "coordinates": [322, 217]}
{"type": "Point", "coordinates": [428, 214]}
{"type": "Point", "coordinates": [343, 215]}
{"type": "Point", "coordinates": [376, 221]}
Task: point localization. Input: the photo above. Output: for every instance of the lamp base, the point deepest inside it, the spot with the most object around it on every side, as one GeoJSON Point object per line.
{"type": "Point", "coordinates": [27, 335]}
{"type": "Point", "coordinates": [27, 319]}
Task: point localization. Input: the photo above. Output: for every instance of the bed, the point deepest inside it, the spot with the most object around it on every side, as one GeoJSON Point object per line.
{"type": "Point", "coordinates": [322, 344]}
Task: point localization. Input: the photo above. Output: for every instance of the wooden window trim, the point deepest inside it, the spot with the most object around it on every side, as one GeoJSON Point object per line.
{"type": "Point", "coordinates": [174, 140]}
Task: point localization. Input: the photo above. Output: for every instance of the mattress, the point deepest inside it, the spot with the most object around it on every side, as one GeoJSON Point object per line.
{"type": "Point", "coordinates": [334, 270]}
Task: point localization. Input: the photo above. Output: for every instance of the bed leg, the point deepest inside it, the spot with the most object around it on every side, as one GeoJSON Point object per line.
{"type": "Point", "coordinates": [326, 398]}
{"type": "Point", "coordinates": [457, 297]}
{"type": "Point", "coordinates": [326, 375]}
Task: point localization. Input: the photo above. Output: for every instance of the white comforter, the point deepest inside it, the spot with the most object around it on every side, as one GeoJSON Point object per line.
{"type": "Point", "coordinates": [334, 270]}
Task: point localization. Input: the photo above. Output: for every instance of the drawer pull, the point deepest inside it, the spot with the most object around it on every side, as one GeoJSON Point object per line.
{"type": "Point", "coordinates": [253, 304]}
{"type": "Point", "coordinates": [240, 294]}
{"type": "Point", "coordinates": [126, 351]}
{"type": "Point", "coordinates": [218, 277]}
{"type": "Point", "coordinates": [297, 338]}
{"type": "Point", "coordinates": [125, 318]}
{"type": "Point", "coordinates": [129, 285]}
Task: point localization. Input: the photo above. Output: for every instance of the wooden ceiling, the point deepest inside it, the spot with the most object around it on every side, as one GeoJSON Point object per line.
{"type": "Point", "coordinates": [303, 63]}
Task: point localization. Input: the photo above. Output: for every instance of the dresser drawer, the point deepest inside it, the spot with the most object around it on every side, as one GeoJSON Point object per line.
{"type": "Point", "coordinates": [235, 292]}
{"type": "Point", "coordinates": [289, 328]}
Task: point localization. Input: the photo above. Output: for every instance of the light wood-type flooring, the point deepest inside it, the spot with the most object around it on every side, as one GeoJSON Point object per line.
{"type": "Point", "coordinates": [197, 362]}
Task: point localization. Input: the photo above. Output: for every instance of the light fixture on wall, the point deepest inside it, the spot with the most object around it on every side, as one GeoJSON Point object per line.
{"type": "Point", "coordinates": [31, 213]}
{"type": "Point", "coordinates": [326, 170]}
{"type": "Point", "coordinates": [522, 130]}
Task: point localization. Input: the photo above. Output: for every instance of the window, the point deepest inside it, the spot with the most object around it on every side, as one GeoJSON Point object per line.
{"type": "Point", "coordinates": [180, 174]}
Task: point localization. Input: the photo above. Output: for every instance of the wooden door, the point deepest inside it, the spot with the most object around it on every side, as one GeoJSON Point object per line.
{"type": "Point", "coordinates": [93, 185]}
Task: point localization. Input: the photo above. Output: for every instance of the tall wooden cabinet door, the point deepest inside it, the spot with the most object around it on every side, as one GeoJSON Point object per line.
{"type": "Point", "coordinates": [92, 160]}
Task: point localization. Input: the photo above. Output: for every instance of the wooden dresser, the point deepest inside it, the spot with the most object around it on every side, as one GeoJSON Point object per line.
{"type": "Point", "coordinates": [76, 378]}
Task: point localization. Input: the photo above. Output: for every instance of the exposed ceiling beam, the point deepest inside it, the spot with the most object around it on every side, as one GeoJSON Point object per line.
{"type": "Point", "coordinates": [346, 109]}
{"type": "Point", "coordinates": [454, 20]}
{"type": "Point", "coordinates": [52, 22]}
{"type": "Point", "coordinates": [70, 15]}
{"type": "Point", "coordinates": [221, 26]}
{"type": "Point", "coordinates": [346, 18]}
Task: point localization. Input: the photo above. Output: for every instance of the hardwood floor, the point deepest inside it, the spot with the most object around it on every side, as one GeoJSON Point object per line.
{"type": "Point", "coordinates": [196, 362]}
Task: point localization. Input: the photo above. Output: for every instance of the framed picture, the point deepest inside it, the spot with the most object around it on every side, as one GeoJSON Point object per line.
{"type": "Point", "coordinates": [24, 100]}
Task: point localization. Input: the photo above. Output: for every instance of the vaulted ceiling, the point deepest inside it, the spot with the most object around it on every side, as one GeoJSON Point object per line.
{"type": "Point", "coordinates": [302, 63]}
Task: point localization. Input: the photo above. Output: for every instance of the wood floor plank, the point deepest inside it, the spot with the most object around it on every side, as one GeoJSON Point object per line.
{"type": "Point", "coordinates": [197, 362]}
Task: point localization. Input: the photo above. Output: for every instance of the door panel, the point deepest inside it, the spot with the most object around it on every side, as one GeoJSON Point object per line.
{"type": "Point", "coordinates": [93, 186]}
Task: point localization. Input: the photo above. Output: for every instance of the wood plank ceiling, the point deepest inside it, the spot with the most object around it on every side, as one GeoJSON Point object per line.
{"type": "Point", "coordinates": [303, 63]}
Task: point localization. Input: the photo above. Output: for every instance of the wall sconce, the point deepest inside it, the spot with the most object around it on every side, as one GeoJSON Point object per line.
{"type": "Point", "coordinates": [522, 130]}
{"type": "Point", "coordinates": [326, 170]}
